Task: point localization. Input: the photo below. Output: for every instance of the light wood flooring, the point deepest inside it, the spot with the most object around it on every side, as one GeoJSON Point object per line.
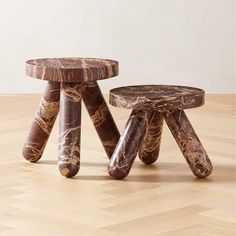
{"type": "Point", "coordinates": [162, 199]}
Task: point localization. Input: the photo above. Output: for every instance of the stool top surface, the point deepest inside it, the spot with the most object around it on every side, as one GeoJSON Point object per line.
{"type": "Point", "coordinates": [157, 97]}
{"type": "Point", "coordinates": [72, 69]}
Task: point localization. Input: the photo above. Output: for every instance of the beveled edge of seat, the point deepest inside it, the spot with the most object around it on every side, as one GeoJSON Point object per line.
{"type": "Point", "coordinates": [83, 72]}
{"type": "Point", "coordinates": [132, 97]}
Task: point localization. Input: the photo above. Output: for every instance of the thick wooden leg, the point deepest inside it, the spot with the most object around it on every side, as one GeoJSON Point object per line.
{"type": "Point", "coordinates": [70, 121]}
{"type": "Point", "coordinates": [189, 143]}
{"type": "Point", "coordinates": [129, 143]}
{"type": "Point", "coordinates": [150, 146]}
{"type": "Point", "coordinates": [100, 115]}
{"type": "Point", "coordinates": [43, 123]}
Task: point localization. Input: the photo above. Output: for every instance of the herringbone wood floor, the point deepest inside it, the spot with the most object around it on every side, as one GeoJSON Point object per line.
{"type": "Point", "coordinates": [162, 199]}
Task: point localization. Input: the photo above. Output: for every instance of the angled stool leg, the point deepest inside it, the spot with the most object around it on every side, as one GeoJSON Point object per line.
{"type": "Point", "coordinates": [70, 123]}
{"type": "Point", "coordinates": [43, 123]}
{"type": "Point", "coordinates": [189, 143]}
{"type": "Point", "coordinates": [150, 147]}
{"type": "Point", "coordinates": [129, 143]}
{"type": "Point", "coordinates": [100, 116]}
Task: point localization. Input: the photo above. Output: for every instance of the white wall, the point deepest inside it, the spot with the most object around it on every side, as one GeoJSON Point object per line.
{"type": "Point", "coordinates": [189, 42]}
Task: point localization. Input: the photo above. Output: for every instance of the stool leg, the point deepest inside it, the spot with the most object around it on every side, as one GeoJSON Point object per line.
{"type": "Point", "coordinates": [189, 143]}
{"type": "Point", "coordinates": [100, 116]}
{"type": "Point", "coordinates": [43, 123]}
{"type": "Point", "coordinates": [150, 147]}
{"type": "Point", "coordinates": [129, 143]}
{"type": "Point", "coordinates": [70, 123]}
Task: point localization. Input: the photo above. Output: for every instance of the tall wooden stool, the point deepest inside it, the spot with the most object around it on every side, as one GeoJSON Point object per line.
{"type": "Point", "coordinates": [150, 104]}
{"type": "Point", "coordinates": [69, 80]}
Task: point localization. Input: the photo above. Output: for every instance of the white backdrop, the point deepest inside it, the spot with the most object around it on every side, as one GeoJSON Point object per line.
{"type": "Point", "coordinates": [188, 42]}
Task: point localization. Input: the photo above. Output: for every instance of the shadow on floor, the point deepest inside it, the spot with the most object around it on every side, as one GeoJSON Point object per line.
{"type": "Point", "coordinates": [178, 172]}
{"type": "Point", "coordinates": [221, 173]}
{"type": "Point", "coordinates": [87, 164]}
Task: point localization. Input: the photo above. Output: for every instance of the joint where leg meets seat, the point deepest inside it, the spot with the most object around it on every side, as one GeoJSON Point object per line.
{"type": "Point", "coordinates": [164, 102]}
{"type": "Point", "coordinates": [71, 80]}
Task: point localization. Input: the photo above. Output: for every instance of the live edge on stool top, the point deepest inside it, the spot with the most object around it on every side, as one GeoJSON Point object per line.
{"type": "Point", "coordinates": [157, 97]}
{"type": "Point", "coordinates": [72, 69]}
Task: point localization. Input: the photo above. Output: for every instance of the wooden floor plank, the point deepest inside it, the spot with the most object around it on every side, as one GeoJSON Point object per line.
{"type": "Point", "coordinates": [162, 199]}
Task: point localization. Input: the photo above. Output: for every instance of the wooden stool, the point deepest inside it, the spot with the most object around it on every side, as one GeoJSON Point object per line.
{"type": "Point", "coordinates": [69, 80]}
{"type": "Point", "coordinates": [150, 104]}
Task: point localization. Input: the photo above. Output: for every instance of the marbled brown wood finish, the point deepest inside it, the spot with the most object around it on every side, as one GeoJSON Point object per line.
{"type": "Point", "coordinates": [157, 97]}
{"type": "Point", "coordinates": [150, 147]}
{"type": "Point", "coordinates": [70, 123]}
{"type": "Point", "coordinates": [100, 116]}
{"type": "Point", "coordinates": [129, 143]}
{"type": "Point", "coordinates": [189, 143]}
{"type": "Point", "coordinates": [165, 101]}
{"type": "Point", "coordinates": [43, 123]}
{"type": "Point", "coordinates": [72, 69]}
{"type": "Point", "coordinates": [77, 77]}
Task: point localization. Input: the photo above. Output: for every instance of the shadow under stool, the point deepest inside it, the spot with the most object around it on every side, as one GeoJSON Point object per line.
{"type": "Point", "coordinates": [70, 80]}
{"type": "Point", "coordinates": [151, 104]}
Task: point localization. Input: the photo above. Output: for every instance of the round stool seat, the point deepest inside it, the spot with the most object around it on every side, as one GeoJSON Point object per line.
{"type": "Point", "coordinates": [72, 69]}
{"type": "Point", "coordinates": [157, 97]}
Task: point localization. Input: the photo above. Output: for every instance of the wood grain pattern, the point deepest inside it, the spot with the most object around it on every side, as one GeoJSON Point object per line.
{"type": "Point", "coordinates": [162, 199]}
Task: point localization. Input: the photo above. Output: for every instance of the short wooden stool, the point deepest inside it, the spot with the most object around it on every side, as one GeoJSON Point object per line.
{"type": "Point", "coordinates": [69, 80]}
{"type": "Point", "coordinates": [150, 104]}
